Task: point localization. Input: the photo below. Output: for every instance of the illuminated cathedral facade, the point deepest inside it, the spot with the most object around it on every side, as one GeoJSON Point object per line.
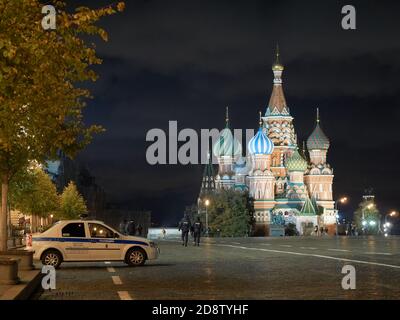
{"type": "Point", "coordinates": [290, 184]}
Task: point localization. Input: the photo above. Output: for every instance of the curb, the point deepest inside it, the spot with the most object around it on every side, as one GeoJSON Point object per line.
{"type": "Point", "coordinates": [29, 282]}
{"type": "Point", "coordinates": [31, 287]}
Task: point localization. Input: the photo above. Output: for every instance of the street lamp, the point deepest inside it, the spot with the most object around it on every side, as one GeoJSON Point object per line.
{"type": "Point", "coordinates": [207, 202]}
{"type": "Point", "coordinates": [391, 214]}
{"type": "Point", "coordinates": [341, 200]}
{"type": "Point", "coordinates": [387, 225]}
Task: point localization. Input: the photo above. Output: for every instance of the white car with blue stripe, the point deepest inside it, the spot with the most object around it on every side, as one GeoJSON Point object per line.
{"type": "Point", "coordinates": [90, 240]}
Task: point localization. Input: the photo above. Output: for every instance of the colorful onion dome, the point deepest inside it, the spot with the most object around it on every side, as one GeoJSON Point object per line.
{"type": "Point", "coordinates": [317, 140]}
{"type": "Point", "coordinates": [227, 144]}
{"type": "Point", "coordinates": [260, 143]}
{"type": "Point", "coordinates": [296, 162]}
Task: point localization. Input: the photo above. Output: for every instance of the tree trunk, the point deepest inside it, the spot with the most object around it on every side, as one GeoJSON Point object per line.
{"type": "Point", "coordinates": [33, 223]}
{"type": "Point", "coordinates": [3, 213]}
{"type": "Point", "coordinates": [9, 223]}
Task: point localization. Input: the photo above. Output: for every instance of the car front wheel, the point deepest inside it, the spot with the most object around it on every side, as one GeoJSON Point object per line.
{"type": "Point", "coordinates": [136, 257]}
{"type": "Point", "coordinates": [52, 258]}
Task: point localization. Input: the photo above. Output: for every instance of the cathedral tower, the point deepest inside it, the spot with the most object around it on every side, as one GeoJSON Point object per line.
{"type": "Point", "coordinates": [208, 181]}
{"type": "Point", "coordinates": [279, 124]}
{"type": "Point", "coordinates": [296, 166]}
{"type": "Point", "coordinates": [261, 180]}
{"type": "Point", "coordinates": [319, 176]}
{"type": "Point", "coordinates": [227, 149]}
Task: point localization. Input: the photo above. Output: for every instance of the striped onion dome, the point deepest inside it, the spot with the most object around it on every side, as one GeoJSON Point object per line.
{"type": "Point", "coordinates": [296, 162]}
{"type": "Point", "coordinates": [317, 140]}
{"type": "Point", "coordinates": [227, 145]}
{"type": "Point", "coordinates": [260, 143]}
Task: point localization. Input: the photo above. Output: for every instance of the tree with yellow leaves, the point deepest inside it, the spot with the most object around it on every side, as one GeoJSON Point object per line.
{"type": "Point", "coordinates": [41, 100]}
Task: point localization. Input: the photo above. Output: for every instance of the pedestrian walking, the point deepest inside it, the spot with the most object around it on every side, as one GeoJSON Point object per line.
{"type": "Point", "coordinates": [185, 226]}
{"type": "Point", "coordinates": [164, 232]}
{"type": "Point", "coordinates": [197, 230]}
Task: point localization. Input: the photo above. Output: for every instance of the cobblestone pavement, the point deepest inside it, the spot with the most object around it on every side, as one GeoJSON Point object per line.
{"type": "Point", "coordinates": [243, 268]}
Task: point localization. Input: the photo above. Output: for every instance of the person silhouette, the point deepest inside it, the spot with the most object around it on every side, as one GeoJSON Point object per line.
{"type": "Point", "coordinates": [185, 226]}
{"type": "Point", "coordinates": [197, 230]}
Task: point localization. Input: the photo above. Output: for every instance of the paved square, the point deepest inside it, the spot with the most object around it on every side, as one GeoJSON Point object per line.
{"type": "Point", "coordinates": [245, 268]}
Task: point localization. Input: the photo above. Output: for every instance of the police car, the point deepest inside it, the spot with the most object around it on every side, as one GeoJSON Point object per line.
{"type": "Point", "coordinates": [90, 240]}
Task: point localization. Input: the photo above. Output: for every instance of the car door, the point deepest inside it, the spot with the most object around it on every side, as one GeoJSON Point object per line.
{"type": "Point", "coordinates": [103, 243]}
{"type": "Point", "coordinates": [74, 242]}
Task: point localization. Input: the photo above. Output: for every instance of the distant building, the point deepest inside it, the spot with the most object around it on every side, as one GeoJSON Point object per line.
{"type": "Point", "coordinates": [63, 170]}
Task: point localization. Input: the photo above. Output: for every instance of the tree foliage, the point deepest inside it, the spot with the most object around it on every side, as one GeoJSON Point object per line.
{"type": "Point", "coordinates": [34, 193]}
{"type": "Point", "coordinates": [72, 203]}
{"type": "Point", "coordinates": [231, 213]}
{"type": "Point", "coordinates": [40, 99]}
{"type": "Point", "coordinates": [41, 93]}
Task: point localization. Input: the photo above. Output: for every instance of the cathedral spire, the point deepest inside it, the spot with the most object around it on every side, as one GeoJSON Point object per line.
{"type": "Point", "coordinates": [208, 182]}
{"type": "Point", "coordinates": [227, 117]}
{"type": "Point", "coordinates": [317, 115]}
{"type": "Point", "coordinates": [277, 103]}
{"type": "Point", "coordinates": [277, 56]}
{"type": "Point", "coordinates": [277, 67]}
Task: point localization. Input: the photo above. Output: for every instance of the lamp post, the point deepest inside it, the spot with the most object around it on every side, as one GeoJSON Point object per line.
{"type": "Point", "coordinates": [207, 202]}
{"type": "Point", "coordinates": [387, 225]}
{"type": "Point", "coordinates": [391, 214]}
{"type": "Point", "coordinates": [341, 200]}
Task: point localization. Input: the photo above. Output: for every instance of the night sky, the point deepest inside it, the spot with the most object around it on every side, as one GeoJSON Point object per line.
{"type": "Point", "coordinates": [187, 60]}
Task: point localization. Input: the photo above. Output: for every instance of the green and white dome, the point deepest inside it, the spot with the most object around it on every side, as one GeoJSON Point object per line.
{"type": "Point", "coordinates": [296, 162]}
{"type": "Point", "coordinates": [227, 145]}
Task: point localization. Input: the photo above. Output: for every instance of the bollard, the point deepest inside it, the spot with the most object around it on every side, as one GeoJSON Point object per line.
{"type": "Point", "coordinates": [24, 257]}
{"type": "Point", "coordinates": [8, 271]}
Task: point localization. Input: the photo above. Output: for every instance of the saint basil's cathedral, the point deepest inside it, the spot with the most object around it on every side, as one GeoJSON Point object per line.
{"type": "Point", "coordinates": [288, 184]}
